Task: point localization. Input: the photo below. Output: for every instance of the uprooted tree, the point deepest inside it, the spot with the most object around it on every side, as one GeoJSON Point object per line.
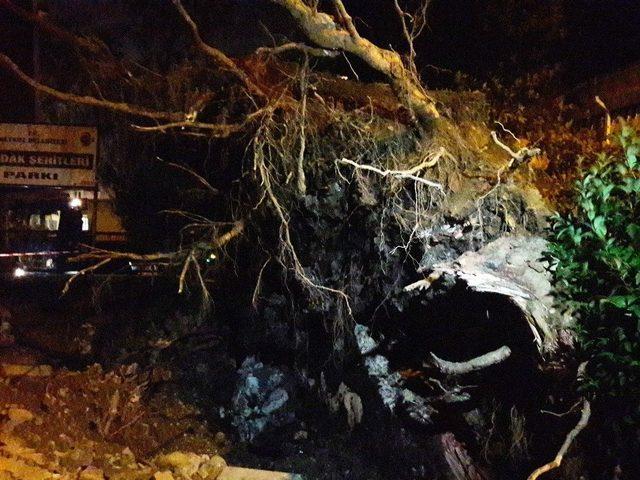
{"type": "Point", "coordinates": [335, 205]}
{"type": "Point", "coordinates": [261, 105]}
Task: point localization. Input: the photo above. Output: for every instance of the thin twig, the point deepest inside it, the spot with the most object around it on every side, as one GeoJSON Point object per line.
{"type": "Point", "coordinates": [584, 419]}
{"type": "Point", "coordinates": [183, 272]}
{"type": "Point", "coordinates": [573, 407]}
{"type": "Point", "coordinates": [216, 129]}
{"type": "Point", "coordinates": [82, 272]}
{"type": "Point", "coordinates": [301, 181]}
{"type": "Point", "coordinates": [191, 172]}
{"type": "Point", "coordinates": [519, 157]}
{"type": "Point", "coordinates": [220, 58]}
{"type": "Point", "coordinates": [256, 290]}
{"type": "Point", "coordinates": [222, 240]}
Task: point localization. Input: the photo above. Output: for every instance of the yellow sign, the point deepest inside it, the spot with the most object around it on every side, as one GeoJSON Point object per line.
{"type": "Point", "coordinates": [48, 155]}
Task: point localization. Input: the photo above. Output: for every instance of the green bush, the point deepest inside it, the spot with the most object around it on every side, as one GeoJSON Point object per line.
{"type": "Point", "coordinates": [594, 255]}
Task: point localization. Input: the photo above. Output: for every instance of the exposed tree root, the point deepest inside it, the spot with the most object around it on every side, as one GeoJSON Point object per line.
{"type": "Point", "coordinates": [519, 157]}
{"type": "Point", "coordinates": [399, 174]}
{"type": "Point", "coordinates": [584, 419]}
{"type": "Point", "coordinates": [289, 256]}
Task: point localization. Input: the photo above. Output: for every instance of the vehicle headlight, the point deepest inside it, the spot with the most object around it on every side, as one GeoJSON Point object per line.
{"type": "Point", "coordinates": [19, 272]}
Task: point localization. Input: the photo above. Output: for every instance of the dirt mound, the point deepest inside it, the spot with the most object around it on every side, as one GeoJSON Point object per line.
{"type": "Point", "coordinates": [93, 424]}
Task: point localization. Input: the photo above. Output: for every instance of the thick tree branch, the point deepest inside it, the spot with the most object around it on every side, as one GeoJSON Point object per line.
{"type": "Point", "coordinates": [346, 18]}
{"type": "Point", "coordinates": [220, 58]}
{"type": "Point", "coordinates": [477, 363]}
{"type": "Point", "coordinates": [8, 64]}
{"type": "Point", "coordinates": [174, 120]}
{"type": "Point", "coordinates": [51, 29]}
{"type": "Point", "coordinates": [300, 47]}
{"type": "Point", "coordinates": [221, 130]}
{"type": "Point", "coordinates": [323, 30]}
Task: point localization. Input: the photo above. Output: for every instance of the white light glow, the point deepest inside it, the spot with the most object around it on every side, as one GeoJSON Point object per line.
{"type": "Point", "coordinates": [19, 272]}
{"type": "Point", "coordinates": [75, 203]}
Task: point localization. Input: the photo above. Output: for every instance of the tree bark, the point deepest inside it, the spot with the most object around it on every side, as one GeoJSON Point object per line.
{"type": "Point", "coordinates": [323, 30]}
{"type": "Point", "coordinates": [477, 363]}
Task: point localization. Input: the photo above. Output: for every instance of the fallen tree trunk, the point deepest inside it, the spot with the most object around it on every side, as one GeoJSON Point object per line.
{"type": "Point", "coordinates": [509, 267]}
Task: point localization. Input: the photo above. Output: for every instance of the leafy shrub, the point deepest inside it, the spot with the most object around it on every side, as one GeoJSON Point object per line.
{"type": "Point", "coordinates": [595, 259]}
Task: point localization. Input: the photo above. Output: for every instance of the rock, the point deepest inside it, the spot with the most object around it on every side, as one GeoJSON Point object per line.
{"type": "Point", "coordinates": [164, 475]}
{"type": "Point", "coordinates": [366, 343]}
{"type": "Point", "coordinates": [211, 469]}
{"type": "Point", "coordinates": [15, 469]}
{"type": "Point", "coordinates": [301, 435]}
{"type": "Point", "coordinates": [377, 366]}
{"type": "Point", "coordinates": [91, 473]}
{"type": "Point", "coordinates": [237, 473]}
{"type": "Point", "coordinates": [276, 400]}
{"type": "Point", "coordinates": [261, 399]}
{"type": "Point", "coordinates": [188, 465]}
{"type": "Point", "coordinates": [392, 393]}
{"type": "Point", "coordinates": [15, 448]}
{"type": "Point", "coordinates": [185, 464]}
{"type": "Point", "coordinates": [19, 415]}
{"type": "Point", "coordinates": [349, 401]}
{"type": "Point", "coordinates": [460, 465]}
{"type": "Point", "coordinates": [15, 370]}
{"type": "Point", "coordinates": [6, 338]}
{"type": "Point", "coordinates": [16, 416]}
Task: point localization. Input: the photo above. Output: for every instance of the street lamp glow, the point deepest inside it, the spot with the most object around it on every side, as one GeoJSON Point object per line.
{"type": "Point", "coordinates": [75, 203]}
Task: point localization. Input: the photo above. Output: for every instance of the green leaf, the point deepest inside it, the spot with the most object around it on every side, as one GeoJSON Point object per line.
{"type": "Point", "coordinates": [633, 230]}
{"type": "Point", "coordinates": [590, 208]}
{"type": "Point", "coordinates": [627, 133]}
{"type": "Point", "coordinates": [599, 227]}
{"type": "Point", "coordinates": [594, 259]}
{"type": "Point", "coordinates": [632, 155]}
{"type": "Point", "coordinates": [621, 301]}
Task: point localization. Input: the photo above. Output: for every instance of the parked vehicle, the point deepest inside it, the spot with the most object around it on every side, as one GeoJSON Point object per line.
{"type": "Point", "coordinates": [42, 230]}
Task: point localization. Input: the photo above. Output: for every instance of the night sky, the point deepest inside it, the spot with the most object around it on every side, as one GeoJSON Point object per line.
{"type": "Point", "coordinates": [484, 38]}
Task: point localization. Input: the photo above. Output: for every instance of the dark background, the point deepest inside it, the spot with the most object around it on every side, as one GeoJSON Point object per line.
{"type": "Point", "coordinates": [483, 38]}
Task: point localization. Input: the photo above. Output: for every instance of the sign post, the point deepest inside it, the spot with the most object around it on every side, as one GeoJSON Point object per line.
{"type": "Point", "coordinates": [48, 155]}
